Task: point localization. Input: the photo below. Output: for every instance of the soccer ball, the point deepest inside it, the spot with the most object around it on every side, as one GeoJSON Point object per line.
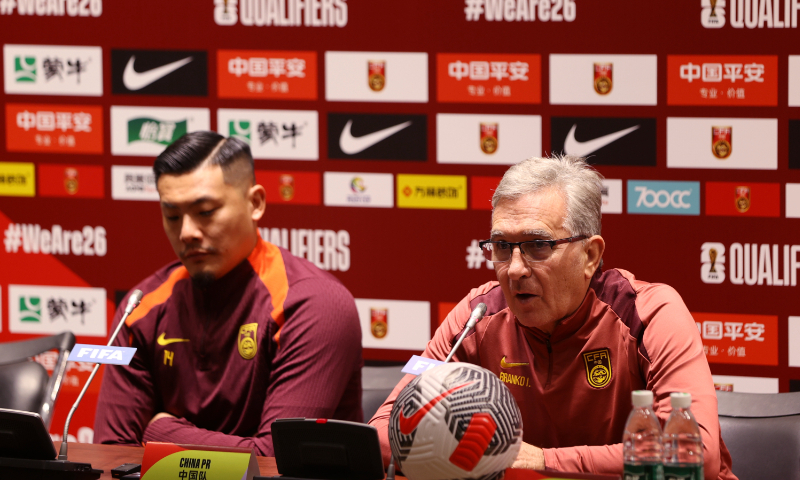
{"type": "Point", "coordinates": [455, 421]}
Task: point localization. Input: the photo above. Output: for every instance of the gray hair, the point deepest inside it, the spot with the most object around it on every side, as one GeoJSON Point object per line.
{"type": "Point", "coordinates": [580, 184]}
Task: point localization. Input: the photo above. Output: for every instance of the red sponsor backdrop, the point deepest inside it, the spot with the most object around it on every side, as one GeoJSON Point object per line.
{"type": "Point", "coordinates": [414, 254]}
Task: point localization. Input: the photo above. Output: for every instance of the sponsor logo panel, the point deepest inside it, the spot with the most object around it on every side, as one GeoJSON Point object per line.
{"type": "Point", "coordinates": [663, 197]}
{"type": "Point", "coordinates": [487, 139]}
{"type": "Point", "coordinates": [72, 8]}
{"type": "Point", "coordinates": [272, 74]}
{"type": "Point", "coordinates": [395, 324]}
{"type": "Point", "coordinates": [79, 181]}
{"type": "Point", "coordinates": [17, 179]}
{"type": "Point", "coordinates": [133, 183]}
{"type": "Point", "coordinates": [722, 80]}
{"type": "Point", "coordinates": [499, 11]}
{"type": "Point", "coordinates": [481, 191]}
{"type": "Point", "coordinates": [793, 200]}
{"type": "Point", "coordinates": [794, 144]}
{"type": "Point", "coordinates": [299, 188]}
{"type": "Point", "coordinates": [750, 264]}
{"type": "Point", "coordinates": [395, 77]}
{"type": "Point", "coordinates": [739, 339]}
{"type": "Point", "coordinates": [159, 72]}
{"type": "Point", "coordinates": [51, 310]}
{"type": "Point", "coordinates": [606, 141]}
{"type": "Point", "coordinates": [794, 80]}
{"type": "Point", "coordinates": [748, 13]}
{"type": "Point", "coordinates": [146, 131]}
{"type": "Point", "coordinates": [53, 70]}
{"type": "Point", "coordinates": [733, 383]}
{"type": "Point", "coordinates": [34, 239]}
{"type": "Point", "coordinates": [794, 341]}
{"type": "Point", "coordinates": [327, 249]}
{"type": "Point", "coordinates": [432, 191]}
{"type": "Point", "coordinates": [722, 143]}
{"type": "Point", "coordinates": [743, 199]}
{"type": "Point", "coordinates": [488, 78]}
{"type": "Point", "coordinates": [603, 79]}
{"type": "Point", "coordinates": [273, 134]}
{"type": "Point", "coordinates": [54, 128]}
{"type": "Point", "coordinates": [282, 13]}
{"type": "Point", "coordinates": [345, 189]}
{"type": "Point", "coordinates": [377, 137]}
{"type": "Point", "coordinates": [611, 195]}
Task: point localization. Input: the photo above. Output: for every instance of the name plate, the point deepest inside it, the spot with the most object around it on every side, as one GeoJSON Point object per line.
{"type": "Point", "coordinates": [164, 461]}
{"type": "Point", "coordinates": [101, 354]}
{"type": "Point", "coordinates": [418, 364]}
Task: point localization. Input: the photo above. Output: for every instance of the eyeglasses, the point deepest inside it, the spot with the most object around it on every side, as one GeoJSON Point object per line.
{"type": "Point", "coordinates": [532, 250]}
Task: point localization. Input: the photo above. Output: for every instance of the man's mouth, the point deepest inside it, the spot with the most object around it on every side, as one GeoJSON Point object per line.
{"type": "Point", "coordinates": [194, 254]}
{"type": "Point", "coordinates": [525, 296]}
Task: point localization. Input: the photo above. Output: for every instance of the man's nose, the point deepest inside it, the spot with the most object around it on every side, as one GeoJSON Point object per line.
{"type": "Point", "coordinates": [190, 231]}
{"type": "Point", "coordinates": [518, 266]}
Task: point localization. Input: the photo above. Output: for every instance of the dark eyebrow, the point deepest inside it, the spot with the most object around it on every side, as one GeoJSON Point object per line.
{"type": "Point", "coordinates": [196, 202]}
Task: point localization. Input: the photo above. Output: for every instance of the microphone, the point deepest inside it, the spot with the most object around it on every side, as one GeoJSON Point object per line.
{"type": "Point", "coordinates": [133, 302]}
{"type": "Point", "coordinates": [474, 318]}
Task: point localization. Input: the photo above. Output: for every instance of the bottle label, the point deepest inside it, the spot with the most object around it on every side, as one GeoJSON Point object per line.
{"type": "Point", "coordinates": [688, 472]}
{"type": "Point", "coordinates": [650, 471]}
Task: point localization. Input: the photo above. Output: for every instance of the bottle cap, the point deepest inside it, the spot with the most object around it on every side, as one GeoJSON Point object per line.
{"type": "Point", "coordinates": [642, 398]}
{"type": "Point", "coordinates": [681, 399]}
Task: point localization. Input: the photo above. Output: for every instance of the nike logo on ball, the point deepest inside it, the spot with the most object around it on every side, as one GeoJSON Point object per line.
{"type": "Point", "coordinates": [134, 80]}
{"type": "Point", "coordinates": [351, 145]}
{"type": "Point", "coordinates": [166, 341]}
{"type": "Point", "coordinates": [407, 425]}
{"type": "Point", "coordinates": [581, 149]}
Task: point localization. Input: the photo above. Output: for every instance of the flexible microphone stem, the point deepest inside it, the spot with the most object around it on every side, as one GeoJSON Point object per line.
{"type": "Point", "coordinates": [133, 302]}
{"type": "Point", "coordinates": [476, 315]}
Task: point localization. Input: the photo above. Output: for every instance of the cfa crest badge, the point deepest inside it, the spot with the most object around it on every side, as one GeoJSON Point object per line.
{"type": "Point", "coordinates": [603, 78]}
{"type": "Point", "coordinates": [489, 132]}
{"type": "Point", "coordinates": [247, 340]}
{"type": "Point", "coordinates": [722, 142]}
{"type": "Point", "coordinates": [377, 75]}
{"type": "Point", "coordinates": [286, 188]}
{"type": "Point", "coordinates": [71, 180]}
{"type": "Point", "coordinates": [598, 367]}
{"type": "Point", "coordinates": [742, 199]}
{"type": "Point", "coordinates": [379, 322]}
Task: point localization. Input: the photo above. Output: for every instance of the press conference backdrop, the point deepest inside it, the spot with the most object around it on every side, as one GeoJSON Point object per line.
{"type": "Point", "coordinates": [380, 130]}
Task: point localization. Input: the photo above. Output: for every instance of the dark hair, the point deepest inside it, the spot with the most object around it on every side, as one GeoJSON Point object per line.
{"type": "Point", "coordinates": [192, 149]}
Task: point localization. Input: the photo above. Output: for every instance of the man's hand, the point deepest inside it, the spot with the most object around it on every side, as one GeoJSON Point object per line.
{"type": "Point", "coordinates": [161, 415]}
{"type": "Point", "coordinates": [530, 458]}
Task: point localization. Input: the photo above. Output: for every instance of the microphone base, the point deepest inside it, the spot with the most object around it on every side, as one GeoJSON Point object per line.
{"type": "Point", "coordinates": [27, 469]}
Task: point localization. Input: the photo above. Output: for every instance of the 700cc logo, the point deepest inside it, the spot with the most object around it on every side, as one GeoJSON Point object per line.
{"type": "Point", "coordinates": [666, 198]}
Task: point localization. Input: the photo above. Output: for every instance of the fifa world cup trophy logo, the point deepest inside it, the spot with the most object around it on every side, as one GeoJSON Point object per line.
{"type": "Point", "coordinates": [713, 9]}
{"type": "Point", "coordinates": [712, 254]}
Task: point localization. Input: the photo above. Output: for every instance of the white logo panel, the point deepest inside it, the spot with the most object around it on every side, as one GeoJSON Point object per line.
{"type": "Point", "coordinates": [405, 77]}
{"type": "Point", "coordinates": [344, 189]}
{"type": "Point", "coordinates": [53, 70]}
{"type": "Point", "coordinates": [754, 143]}
{"type": "Point", "coordinates": [793, 200]}
{"type": "Point", "coordinates": [146, 131]}
{"type": "Point", "coordinates": [408, 323]}
{"type": "Point", "coordinates": [633, 80]}
{"type": "Point", "coordinates": [794, 341]}
{"type": "Point", "coordinates": [273, 134]}
{"type": "Point", "coordinates": [458, 138]}
{"type": "Point", "coordinates": [747, 384]}
{"type": "Point", "coordinates": [133, 183]}
{"type": "Point", "coordinates": [611, 196]}
{"type": "Point", "coordinates": [51, 310]}
{"type": "Point", "coordinates": [794, 80]}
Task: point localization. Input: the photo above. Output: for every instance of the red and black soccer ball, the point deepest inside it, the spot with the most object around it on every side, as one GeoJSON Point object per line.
{"type": "Point", "coordinates": [455, 421]}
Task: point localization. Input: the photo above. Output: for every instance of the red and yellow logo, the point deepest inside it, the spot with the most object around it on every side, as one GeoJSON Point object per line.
{"type": "Point", "coordinates": [300, 188]}
{"type": "Point", "coordinates": [598, 367]}
{"type": "Point", "coordinates": [379, 322]}
{"type": "Point", "coordinates": [80, 181]}
{"type": "Point", "coordinates": [603, 74]}
{"type": "Point", "coordinates": [376, 76]}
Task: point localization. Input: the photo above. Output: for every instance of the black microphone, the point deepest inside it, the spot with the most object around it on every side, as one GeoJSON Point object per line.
{"type": "Point", "coordinates": [474, 318]}
{"type": "Point", "coordinates": [133, 302]}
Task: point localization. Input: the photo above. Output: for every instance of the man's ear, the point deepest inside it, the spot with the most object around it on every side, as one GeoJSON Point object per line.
{"type": "Point", "coordinates": [257, 198]}
{"type": "Point", "coordinates": [595, 246]}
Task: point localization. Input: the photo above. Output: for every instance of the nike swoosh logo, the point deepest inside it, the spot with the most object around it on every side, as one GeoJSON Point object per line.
{"type": "Point", "coordinates": [503, 363]}
{"type": "Point", "coordinates": [581, 149]}
{"type": "Point", "coordinates": [166, 341]}
{"type": "Point", "coordinates": [134, 80]}
{"type": "Point", "coordinates": [407, 425]}
{"type": "Point", "coordinates": [351, 145]}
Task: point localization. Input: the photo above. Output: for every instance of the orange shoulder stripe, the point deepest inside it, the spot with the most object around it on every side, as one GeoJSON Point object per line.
{"type": "Point", "coordinates": [157, 296]}
{"type": "Point", "coordinates": [267, 262]}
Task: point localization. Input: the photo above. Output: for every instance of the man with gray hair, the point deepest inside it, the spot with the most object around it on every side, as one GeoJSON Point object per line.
{"type": "Point", "coordinates": [570, 341]}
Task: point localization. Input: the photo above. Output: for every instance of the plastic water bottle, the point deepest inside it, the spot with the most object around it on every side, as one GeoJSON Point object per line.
{"type": "Point", "coordinates": [683, 446]}
{"type": "Point", "coordinates": [641, 442]}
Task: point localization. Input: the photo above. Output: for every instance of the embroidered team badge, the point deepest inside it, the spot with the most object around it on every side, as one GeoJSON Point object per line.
{"type": "Point", "coordinates": [598, 367]}
{"type": "Point", "coordinates": [247, 340]}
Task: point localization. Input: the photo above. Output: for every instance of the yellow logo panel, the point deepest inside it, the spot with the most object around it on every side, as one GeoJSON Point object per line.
{"type": "Point", "coordinates": [247, 340]}
{"type": "Point", "coordinates": [432, 191]}
{"type": "Point", "coordinates": [598, 367]}
{"type": "Point", "coordinates": [17, 180]}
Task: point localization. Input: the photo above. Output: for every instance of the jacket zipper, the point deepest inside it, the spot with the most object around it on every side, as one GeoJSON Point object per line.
{"type": "Point", "coordinates": [549, 362]}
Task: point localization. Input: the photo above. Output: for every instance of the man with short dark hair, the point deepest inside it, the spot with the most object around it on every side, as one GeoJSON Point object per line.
{"type": "Point", "coordinates": [236, 334]}
{"type": "Point", "coordinates": [570, 341]}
